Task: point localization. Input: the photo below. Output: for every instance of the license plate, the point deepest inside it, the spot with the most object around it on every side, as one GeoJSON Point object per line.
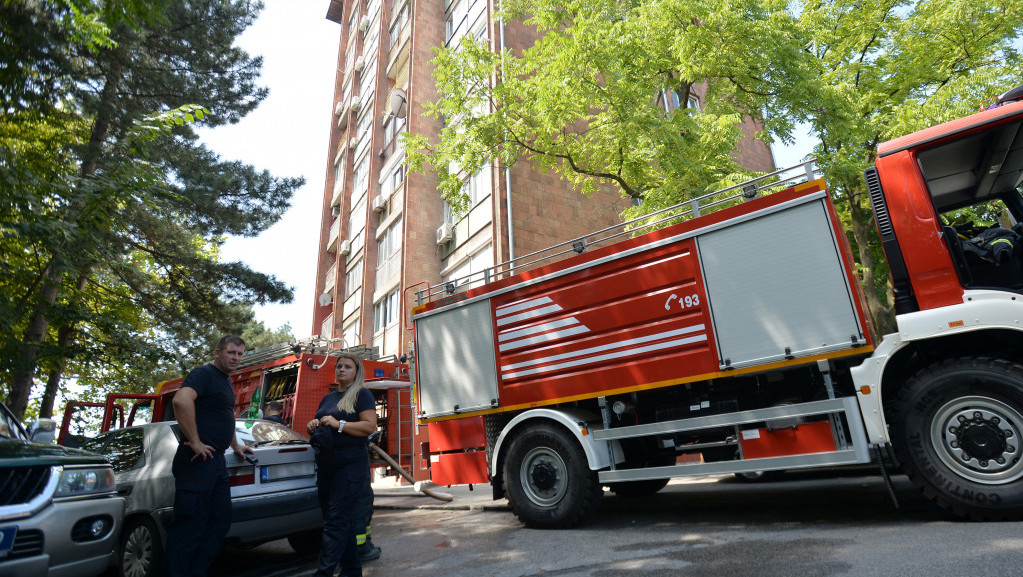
{"type": "Point", "coordinates": [271, 473]}
{"type": "Point", "coordinates": [7, 535]}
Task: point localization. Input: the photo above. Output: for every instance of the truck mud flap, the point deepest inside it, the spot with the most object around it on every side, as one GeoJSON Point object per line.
{"type": "Point", "coordinates": [839, 440]}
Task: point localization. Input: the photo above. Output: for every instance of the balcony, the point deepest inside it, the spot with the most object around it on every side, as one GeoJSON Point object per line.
{"type": "Point", "coordinates": [327, 328]}
{"type": "Point", "coordinates": [331, 279]}
{"type": "Point", "coordinates": [398, 54]}
{"type": "Point", "coordinates": [332, 238]}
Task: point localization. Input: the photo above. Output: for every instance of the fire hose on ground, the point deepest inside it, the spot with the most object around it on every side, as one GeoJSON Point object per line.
{"type": "Point", "coordinates": [419, 487]}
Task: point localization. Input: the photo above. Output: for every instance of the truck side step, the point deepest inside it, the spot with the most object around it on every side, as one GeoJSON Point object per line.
{"type": "Point", "coordinates": [851, 450]}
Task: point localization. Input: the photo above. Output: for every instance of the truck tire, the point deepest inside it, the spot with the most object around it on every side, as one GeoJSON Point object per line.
{"type": "Point", "coordinates": [140, 553]}
{"type": "Point", "coordinates": [957, 433]}
{"type": "Point", "coordinates": [547, 479]}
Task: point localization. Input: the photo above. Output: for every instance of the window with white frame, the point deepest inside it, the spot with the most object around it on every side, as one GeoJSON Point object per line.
{"type": "Point", "coordinates": [395, 179]}
{"type": "Point", "coordinates": [464, 17]}
{"type": "Point", "coordinates": [365, 126]}
{"type": "Point", "coordinates": [476, 187]}
{"type": "Point", "coordinates": [389, 253]}
{"type": "Point", "coordinates": [339, 173]}
{"type": "Point", "coordinates": [350, 334]}
{"type": "Point", "coordinates": [353, 280]}
{"type": "Point", "coordinates": [357, 225]}
{"type": "Point", "coordinates": [399, 17]}
{"type": "Point", "coordinates": [386, 312]}
{"type": "Point", "coordinates": [470, 271]}
{"type": "Point", "coordinates": [360, 179]}
{"type": "Point", "coordinates": [393, 126]}
{"type": "Point", "coordinates": [353, 20]}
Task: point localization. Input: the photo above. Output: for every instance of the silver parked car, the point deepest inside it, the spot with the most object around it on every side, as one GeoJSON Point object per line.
{"type": "Point", "coordinates": [59, 514]}
{"type": "Point", "coordinates": [271, 499]}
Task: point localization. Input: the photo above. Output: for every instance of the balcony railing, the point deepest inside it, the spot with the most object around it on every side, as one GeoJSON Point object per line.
{"type": "Point", "coordinates": [331, 279]}
{"type": "Point", "coordinates": [332, 238]}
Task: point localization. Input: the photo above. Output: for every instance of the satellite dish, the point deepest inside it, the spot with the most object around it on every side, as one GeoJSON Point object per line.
{"type": "Point", "coordinates": [398, 103]}
{"type": "Point", "coordinates": [325, 299]}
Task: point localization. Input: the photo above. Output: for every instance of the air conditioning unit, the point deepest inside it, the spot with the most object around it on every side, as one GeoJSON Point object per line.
{"type": "Point", "coordinates": [335, 211]}
{"type": "Point", "coordinates": [444, 232]}
{"type": "Point", "coordinates": [345, 247]}
{"type": "Point", "coordinates": [364, 24]}
{"type": "Point", "coordinates": [354, 140]}
{"type": "Point", "coordinates": [356, 102]}
{"type": "Point", "coordinates": [360, 63]}
{"type": "Point", "coordinates": [379, 203]}
{"type": "Point", "coordinates": [339, 108]}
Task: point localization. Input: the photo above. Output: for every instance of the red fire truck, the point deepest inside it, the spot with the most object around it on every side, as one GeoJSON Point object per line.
{"type": "Point", "coordinates": [733, 338]}
{"type": "Point", "coordinates": [297, 375]}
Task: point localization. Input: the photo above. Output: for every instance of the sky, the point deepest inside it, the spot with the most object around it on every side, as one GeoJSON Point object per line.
{"type": "Point", "coordinates": [288, 134]}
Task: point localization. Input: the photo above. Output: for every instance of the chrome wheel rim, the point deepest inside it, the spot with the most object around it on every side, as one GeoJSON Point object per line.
{"type": "Point", "coordinates": [544, 476]}
{"type": "Point", "coordinates": [978, 438]}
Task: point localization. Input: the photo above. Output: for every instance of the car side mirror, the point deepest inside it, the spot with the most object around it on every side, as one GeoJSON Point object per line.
{"type": "Point", "coordinates": [42, 431]}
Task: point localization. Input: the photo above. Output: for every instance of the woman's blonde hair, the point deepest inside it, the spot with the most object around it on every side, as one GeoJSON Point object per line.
{"type": "Point", "coordinates": [347, 402]}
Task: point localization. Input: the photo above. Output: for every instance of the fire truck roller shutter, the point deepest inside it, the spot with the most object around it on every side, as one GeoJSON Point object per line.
{"type": "Point", "coordinates": [779, 287]}
{"type": "Point", "coordinates": [456, 359]}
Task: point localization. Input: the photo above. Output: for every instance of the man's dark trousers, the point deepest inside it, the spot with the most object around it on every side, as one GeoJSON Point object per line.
{"type": "Point", "coordinates": [202, 513]}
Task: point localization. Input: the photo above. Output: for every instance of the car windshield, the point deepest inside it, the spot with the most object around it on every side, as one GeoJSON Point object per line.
{"type": "Point", "coordinates": [257, 433]}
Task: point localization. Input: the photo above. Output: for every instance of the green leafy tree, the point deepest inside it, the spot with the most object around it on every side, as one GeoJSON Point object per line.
{"type": "Point", "coordinates": [116, 213]}
{"type": "Point", "coordinates": [583, 99]}
{"type": "Point", "coordinates": [884, 69]}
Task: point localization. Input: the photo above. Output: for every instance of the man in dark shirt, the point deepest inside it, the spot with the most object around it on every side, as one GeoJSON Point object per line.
{"type": "Point", "coordinates": [273, 412]}
{"type": "Point", "coordinates": [204, 407]}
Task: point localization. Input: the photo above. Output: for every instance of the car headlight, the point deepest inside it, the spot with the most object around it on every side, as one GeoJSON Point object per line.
{"type": "Point", "coordinates": [85, 481]}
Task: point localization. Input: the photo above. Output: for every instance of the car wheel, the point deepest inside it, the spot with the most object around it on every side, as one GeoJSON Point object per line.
{"type": "Point", "coordinates": [957, 435]}
{"type": "Point", "coordinates": [140, 552]}
{"type": "Point", "coordinates": [306, 542]}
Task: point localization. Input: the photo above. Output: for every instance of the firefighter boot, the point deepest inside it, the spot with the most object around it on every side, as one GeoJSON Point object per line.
{"type": "Point", "coordinates": [367, 551]}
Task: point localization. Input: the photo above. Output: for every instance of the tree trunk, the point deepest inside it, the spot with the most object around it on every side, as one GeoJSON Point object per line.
{"type": "Point", "coordinates": [65, 336]}
{"type": "Point", "coordinates": [879, 310]}
{"type": "Point", "coordinates": [39, 322]}
{"type": "Point", "coordinates": [32, 343]}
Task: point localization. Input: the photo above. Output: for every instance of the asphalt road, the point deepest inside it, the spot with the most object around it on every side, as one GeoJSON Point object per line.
{"type": "Point", "coordinates": [812, 524]}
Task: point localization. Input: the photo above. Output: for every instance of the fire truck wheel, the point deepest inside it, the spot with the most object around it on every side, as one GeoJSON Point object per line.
{"type": "Point", "coordinates": [958, 433]}
{"type": "Point", "coordinates": [547, 479]}
{"type": "Point", "coordinates": [140, 553]}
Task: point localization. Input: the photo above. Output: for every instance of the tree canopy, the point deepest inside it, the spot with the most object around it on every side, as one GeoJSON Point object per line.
{"type": "Point", "coordinates": [587, 98]}
{"type": "Point", "coordinates": [113, 212]}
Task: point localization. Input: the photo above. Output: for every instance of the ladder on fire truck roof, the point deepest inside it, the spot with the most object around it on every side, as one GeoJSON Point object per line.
{"type": "Point", "coordinates": [312, 345]}
{"type": "Point", "coordinates": [771, 182]}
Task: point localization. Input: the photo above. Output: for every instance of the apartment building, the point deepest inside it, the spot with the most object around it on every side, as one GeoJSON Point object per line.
{"type": "Point", "coordinates": [385, 233]}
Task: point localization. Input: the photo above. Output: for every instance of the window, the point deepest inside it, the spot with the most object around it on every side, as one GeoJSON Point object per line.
{"type": "Point", "coordinates": [122, 448]}
{"type": "Point", "coordinates": [361, 180]}
{"type": "Point", "coordinates": [396, 178]}
{"type": "Point", "coordinates": [365, 124]}
{"type": "Point", "coordinates": [357, 225]}
{"type": "Point", "coordinates": [389, 253]}
{"type": "Point", "coordinates": [393, 126]}
{"type": "Point", "coordinates": [385, 313]}
{"type": "Point", "coordinates": [350, 335]}
{"type": "Point", "coordinates": [353, 280]}
{"type": "Point", "coordinates": [398, 23]}
{"type": "Point", "coordinates": [353, 21]}
{"type": "Point", "coordinates": [474, 265]}
{"type": "Point", "coordinates": [475, 188]}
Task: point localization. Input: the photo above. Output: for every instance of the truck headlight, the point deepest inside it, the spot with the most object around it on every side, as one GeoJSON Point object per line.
{"type": "Point", "coordinates": [85, 481]}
